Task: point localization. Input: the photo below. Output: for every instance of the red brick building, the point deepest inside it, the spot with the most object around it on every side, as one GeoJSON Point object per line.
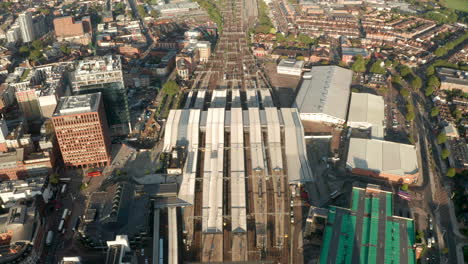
{"type": "Point", "coordinates": [81, 130]}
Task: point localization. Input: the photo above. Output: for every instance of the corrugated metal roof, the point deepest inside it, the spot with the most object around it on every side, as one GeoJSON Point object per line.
{"type": "Point", "coordinates": [325, 89]}
{"type": "Point", "coordinates": [382, 156]}
{"type": "Point", "coordinates": [367, 110]}
{"type": "Point", "coordinates": [296, 156]}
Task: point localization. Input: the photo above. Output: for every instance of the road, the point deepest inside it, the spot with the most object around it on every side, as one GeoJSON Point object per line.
{"type": "Point", "coordinates": [146, 31]}
{"type": "Point", "coordinates": [436, 189]}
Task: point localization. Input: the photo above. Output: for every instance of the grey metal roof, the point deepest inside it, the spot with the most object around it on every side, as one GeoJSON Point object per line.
{"type": "Point", "coordinates": [367, 109]}
{"type": "Point", "coordinates": [325, 89]}
{"type": "Point", "coordinates": [382, 156]}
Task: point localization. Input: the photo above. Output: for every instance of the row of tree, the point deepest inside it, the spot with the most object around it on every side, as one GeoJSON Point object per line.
{"type": "Point", "coordinates": [441, 51]}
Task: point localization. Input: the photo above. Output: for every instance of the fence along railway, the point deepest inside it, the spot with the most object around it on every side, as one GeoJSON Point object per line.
{"type": "Point", "coordinates": [237, 171]}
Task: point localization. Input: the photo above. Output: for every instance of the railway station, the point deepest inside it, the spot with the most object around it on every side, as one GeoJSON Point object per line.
{"type": "Point", "coordinates": [241, 158]}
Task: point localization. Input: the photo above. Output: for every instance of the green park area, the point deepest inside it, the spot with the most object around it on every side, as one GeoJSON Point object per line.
{"type": "Point", "coordinates": [461, 5]}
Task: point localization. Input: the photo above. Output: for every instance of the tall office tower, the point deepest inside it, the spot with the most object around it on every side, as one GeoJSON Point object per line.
{"type": "Point", "coordinates": [28, 103]}
{"type": "Point", "coordinates": [27, 27]}
{"type": "Point", "coordinates": [81, 129]}
{"type": "Point", "coordinates": [104, 75]}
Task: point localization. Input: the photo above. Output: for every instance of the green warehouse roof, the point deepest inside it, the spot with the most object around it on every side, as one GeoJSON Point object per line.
{"type": "Point", "coordinates": [368, 232]}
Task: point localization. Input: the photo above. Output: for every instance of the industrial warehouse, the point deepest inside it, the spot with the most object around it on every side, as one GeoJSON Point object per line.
{"type": "Point", "coordinates": [237, 173]}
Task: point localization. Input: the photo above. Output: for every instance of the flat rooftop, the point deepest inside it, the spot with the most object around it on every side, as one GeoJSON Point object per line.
{"type": "Point", "coordinates": [382, 156]}
{"type": "Point", "coordinates": [368, 232]}
{"type": "Point", "coordinates": [367, 109]}
{"type": "Point", "coordinates": [291, 63]}
{"type": "Point", "coordinates": [98, 64]}
{"type": "Point", "coordinates": [453, 76]}
{"type": "Point", "coordinates": [326, 90]}
{"type": "Point", "coordinates": [78, 104]}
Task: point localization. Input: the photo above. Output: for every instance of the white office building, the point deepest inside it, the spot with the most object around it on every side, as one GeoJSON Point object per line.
{"type": "Point", "coordinates": [26, 25]}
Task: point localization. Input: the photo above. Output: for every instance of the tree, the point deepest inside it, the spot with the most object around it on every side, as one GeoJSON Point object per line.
{"type": "Point", "coordinates": [410, 116]}
{"type": "Point", "coordinates": [405, 92]}
{"type": "Point", "coordinates": [53, 179]}
{"type": "Point", "coordinates": [170, 88]}
{"type": "Point", "coordinates": [404, 70]}
{"type": "Point", "coordinates": [396, 79]}
{"type": "Point", "coordinates": [388, 63]}
{"type": "Point", "coordinates": [119, 9]}
{"type": "Point", "coordinates": [44, 11]}
{"type": "Point", "coordinates": [451, 172]}
{"type": "Point", "coordinates": [435, 111]}
{"type": "Point", "coordinates": [35, 55]}
{"type": "Point", "coordinates": [24, 50]}
{"type": "Point", "coordinates": [154, 14]}
{"type": "Point", "coordinates": [304, 39]}
{"type": "Point", "coordinates": [457, 114]}
{"type": "Point", "coordinates": [441, 51]}
{"type": "Point", "coordinates": [359, 64]}
{"type": "Point", "coordinates": [272, 30]}
{"type": "Point", "coordinates": [142, 11]}
{"type": "Point", "coordinates": [430, 70]}
{"type": "Point", "coordinates": [433, 82]}
{"type": "Point", "coordinates": [280, 37]}
{"type": "Point", "coordinates": [377, 67]}
{"type": "Point", "coordinates": [65, 49]}
{"type": "Point", "coordinates": [441, 138]}
{"type": "Point", "coordinates": [416, 82]}
{"type": "Point", "coordinates": [404, 187]}
{"type": "Point", "coordinates": [290, 38]}
{"type": "Point", "coordinates": [429, 91]}
{"type": "Point", "coordinates": [37, 44]}
{"type": "Point", "coordinates": [445, 153]}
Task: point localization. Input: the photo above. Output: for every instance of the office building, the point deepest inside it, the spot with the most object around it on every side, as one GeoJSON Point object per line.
{"type": "Point", "coordinates": [28, 103]}
{"type": "Point", "coordinates": [81, 130]}
{"type": "Point", "coordinates": [324, 95]}
{"type": "Point", "coordinates": [25, 22]}
{"type": "Point", "coordinates": [13, 35]}
{"type": "Point", "coordinates": [204, 50]}
{"type": "Point", "coordinates": [39, 26]}
{"type": "Point", "coordinates": [368, 232]}
{"type": "Point", "coordinates": [104, 75]}
{"type": "Point", "coordinates": [395, 162]}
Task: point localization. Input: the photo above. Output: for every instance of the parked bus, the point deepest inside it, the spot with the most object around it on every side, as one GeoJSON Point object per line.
{"type": "Point", "coordinates": [50, 237]}
{"type": "Point", "coordinates": [60, 227]}
{"type": "Point", "coordinates": [63, 189]}
{"type": "Point", "coordinates": [94, 174]}
{"type": "Point", "coordinates": [404, 196]}
{"type": "Point", "coordinates": [161, 251]}
{"type": "Point", "coordinates": [64, 215]}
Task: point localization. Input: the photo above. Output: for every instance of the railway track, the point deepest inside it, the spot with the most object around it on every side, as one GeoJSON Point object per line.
{"type": "Point", "coordinates": [232, 65]}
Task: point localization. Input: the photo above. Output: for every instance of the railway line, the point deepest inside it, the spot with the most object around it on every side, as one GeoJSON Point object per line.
{"type": "Point", "coordinates": [232, 65]}
{"type": "Point", "coordinates": [262, 235]}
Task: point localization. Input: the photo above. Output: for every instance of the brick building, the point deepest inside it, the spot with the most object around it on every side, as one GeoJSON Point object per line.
{"type": "Point", "coordinates": [16, 165]}
{"type": "Point", "coordinates": [81, 130]}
